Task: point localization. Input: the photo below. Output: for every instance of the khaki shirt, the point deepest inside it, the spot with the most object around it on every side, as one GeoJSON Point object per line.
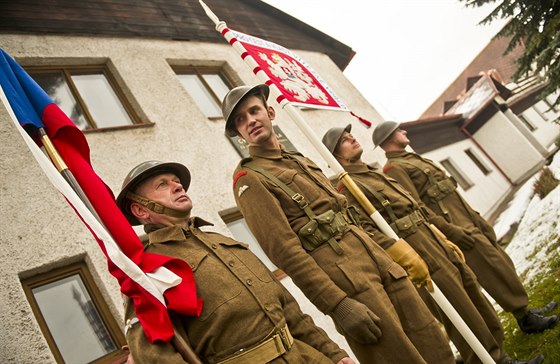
{"type": "Point", "coordinates": [244, 304]}
{"type": "Point", "coordinates": [417, 183]}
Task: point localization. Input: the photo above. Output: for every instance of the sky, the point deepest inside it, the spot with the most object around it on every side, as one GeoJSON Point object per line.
{"type": "Point", "coordinates": [407, 51]}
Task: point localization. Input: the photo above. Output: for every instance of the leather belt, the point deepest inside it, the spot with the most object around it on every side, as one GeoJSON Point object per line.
{"type": "Point", "coordinates": [268, 350]}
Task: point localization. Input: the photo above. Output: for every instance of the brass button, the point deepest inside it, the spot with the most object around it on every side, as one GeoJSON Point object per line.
{"type": "Point", "coordinates": [231, 264]}
{"type": "Point", "coordinates": [249, 282]}
{"type": "Point", "coordinates": [214, 246]}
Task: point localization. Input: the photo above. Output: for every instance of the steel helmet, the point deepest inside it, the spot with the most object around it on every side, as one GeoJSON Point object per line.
{"type": "Point", "coordinates": [333, 135]}
{"type": "Point", "coordinates": [140, 173]}
{"type": "Point", "coordinates": [383, 131]}
{"type": "Point", "coordinates": [234, 97]}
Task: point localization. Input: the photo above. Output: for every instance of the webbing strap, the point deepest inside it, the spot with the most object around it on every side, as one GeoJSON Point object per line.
{"type": "Point", "coordinates": [427, 172]}
{"type": "Point", "coordinates": [298, 198]}
{"type": "Point", "coordinates": [385, 203]}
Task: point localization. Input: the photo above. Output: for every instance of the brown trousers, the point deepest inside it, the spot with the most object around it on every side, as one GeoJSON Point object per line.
{"type": "Point", "coordinates": [410, 333]}
{"type": "Point", "coordinates": [459, 285]}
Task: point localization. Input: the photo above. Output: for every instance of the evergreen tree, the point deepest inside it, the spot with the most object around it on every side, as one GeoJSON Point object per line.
{"type": "Point", "coordinates": [536, 25]}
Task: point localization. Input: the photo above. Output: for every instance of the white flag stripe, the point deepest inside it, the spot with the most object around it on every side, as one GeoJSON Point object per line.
{"type": "Point", "coordinates": [157, 282]}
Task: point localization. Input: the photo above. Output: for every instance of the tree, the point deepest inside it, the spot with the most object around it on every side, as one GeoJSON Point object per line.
{"type": "Point", "coordinates": [536, 25]}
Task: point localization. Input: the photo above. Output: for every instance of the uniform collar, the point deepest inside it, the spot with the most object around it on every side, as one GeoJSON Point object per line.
{"type": "Point", "coordinates": [361, 168]}
{"type": "Point", "coordinates": [260, 152]}
{"type": "Point", "coordinates": [266, 153]}
{"type": "Point", "coordinates": [396, 154]}
{"type": "Point", "coordinates": [162, 234]}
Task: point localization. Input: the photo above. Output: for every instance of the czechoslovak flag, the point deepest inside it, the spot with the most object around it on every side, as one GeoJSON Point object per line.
{"type": "Point", "coordinates": [155, 283]}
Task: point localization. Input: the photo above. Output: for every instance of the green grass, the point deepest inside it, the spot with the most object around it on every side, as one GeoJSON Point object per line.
{"type": "Point", "coordinates": [542, 289]}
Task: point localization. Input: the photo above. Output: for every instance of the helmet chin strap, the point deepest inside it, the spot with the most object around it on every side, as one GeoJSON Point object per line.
{"type": "Point", "coordinates": [156, 207]}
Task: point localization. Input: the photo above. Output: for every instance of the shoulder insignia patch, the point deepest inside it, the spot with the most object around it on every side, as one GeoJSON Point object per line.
{"type": "Point", "coordinates": [387, 168]}
{"type": "Point", "coordinates": [241, 190]}
{"type": "Point", "coordinates": [238, 176]}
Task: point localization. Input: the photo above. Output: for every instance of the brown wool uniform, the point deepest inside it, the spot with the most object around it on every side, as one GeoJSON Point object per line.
{"type": "Point", "coordinates": [454, 278]}
{"type": "Point", "coordinates": [363, 271]}
{"type": "Point", "coordinates": [243, 303]}
{"type": "Point", "coordinates": [493, 267]}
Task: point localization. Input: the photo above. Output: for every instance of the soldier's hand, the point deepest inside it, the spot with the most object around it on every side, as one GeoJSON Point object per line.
{"type": "Point", "coordinates": [357, 321]}
{"type": "Point", "coordinates": [464, 239]}
{"type": "Point", "coordinates": [417, 269]}
{"type": "Point", "coordinates": [456, 249]}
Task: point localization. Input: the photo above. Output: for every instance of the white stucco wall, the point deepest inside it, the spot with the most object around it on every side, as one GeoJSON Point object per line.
{"type": "Point", "coordinates": [505, 142]}
{"type": "Point", "coordinates": [39, 229]}
{"type": "Point", "coordinates": [541, 116]}
{"type": "Point", "coordinates": [488, 190]}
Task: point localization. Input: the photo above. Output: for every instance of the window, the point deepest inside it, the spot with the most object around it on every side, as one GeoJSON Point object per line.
{"type": "Point", "coordinates": [73, 316]}
{"type": "Point", "coordinates": [541, 110]}
{"type": "Point", "coordinates": [459, 176]}
{"type": "Point", "coordinates": [87, 94]}
{"type": "Point", "coordinates": [241, 232]}
{"type": "Point", "coordinates": [479, 163]}
{"type": "Point", "coordinates": [527, 122]}
{"type": "Point", "coordinates": [207, 87]}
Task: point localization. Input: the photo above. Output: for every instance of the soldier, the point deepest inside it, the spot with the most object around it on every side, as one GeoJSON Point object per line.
{"type": "Point", "coordinates": [247, 316]}
{"type": "Point", "coordinates": [493, 267]}
{"type": "Point", "coordinates": [305, 228]}
{"type": "Point", "coordinates": [422, 229]}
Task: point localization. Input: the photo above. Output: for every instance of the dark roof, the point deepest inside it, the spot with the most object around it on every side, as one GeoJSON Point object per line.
{"type": "Point", "coordinates": [434, 132]}
{"type": "Point", "coordinates": [167, 19]}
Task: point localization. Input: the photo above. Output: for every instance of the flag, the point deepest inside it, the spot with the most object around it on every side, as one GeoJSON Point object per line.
{"type": "Point", "coordinates": [154, 282]}
{"type": "Point", "coordinates": [295, 79]}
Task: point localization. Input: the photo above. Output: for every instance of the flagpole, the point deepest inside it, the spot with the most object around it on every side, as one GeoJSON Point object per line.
{"type": "Point", "coordinates": [342, 175]}
{"type": "Point", "coordinates": [62, 168]}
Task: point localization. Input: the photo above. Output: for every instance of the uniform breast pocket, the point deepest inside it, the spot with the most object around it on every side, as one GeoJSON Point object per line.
{"type": "Point", "coordinates": [215, 284]}
{"type": "Point", "coordinates": [250, 260]}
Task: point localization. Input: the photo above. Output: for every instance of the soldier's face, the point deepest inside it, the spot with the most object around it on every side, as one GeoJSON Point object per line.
{"type": "Point", "coordinates": [348, 147]}
{"type": "Point", "coordinates": [253, 121]}
{"type": "Point", "coordinates": [399, 138]}
{"type": "Point", "coordinates": [167, 190]}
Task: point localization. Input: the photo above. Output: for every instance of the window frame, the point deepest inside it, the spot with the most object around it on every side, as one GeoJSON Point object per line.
{"type": "Point", "coordinates": [459, 176]}
{"type": "Point", "coordinates": [81, 269]}
{"type": "Point", "coordinates": [528, 124]}
{"type": "Point", "coordinates": [69, 70]}
{"type": "Point", "coordinates": [478, 161]}
{"type": "Point", "coordinates": [200, 71]}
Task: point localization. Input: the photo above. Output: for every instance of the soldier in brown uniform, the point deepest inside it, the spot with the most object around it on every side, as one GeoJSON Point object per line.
{"type": "Point", "coordinates": [493, 267]}
{"type": "Point", "coordinates": [247, 315]}
{"type": "Point", "coordinates": [422, 229]}
{"type": "Point", "coordinates": [304, 227]}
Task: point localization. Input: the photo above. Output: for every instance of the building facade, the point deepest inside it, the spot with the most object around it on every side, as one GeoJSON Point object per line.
{"type": "Point", "coordinates": [491, 138]}
{"type": "Point", "coordinates": [144, 81]}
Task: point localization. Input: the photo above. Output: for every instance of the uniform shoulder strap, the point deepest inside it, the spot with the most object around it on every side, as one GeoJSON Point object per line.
{"type": "Point", "coordinates": [298, 198]}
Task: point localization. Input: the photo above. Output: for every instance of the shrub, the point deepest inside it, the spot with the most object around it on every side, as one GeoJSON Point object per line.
{"type": "Point", "coordinates": [546, 183]}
